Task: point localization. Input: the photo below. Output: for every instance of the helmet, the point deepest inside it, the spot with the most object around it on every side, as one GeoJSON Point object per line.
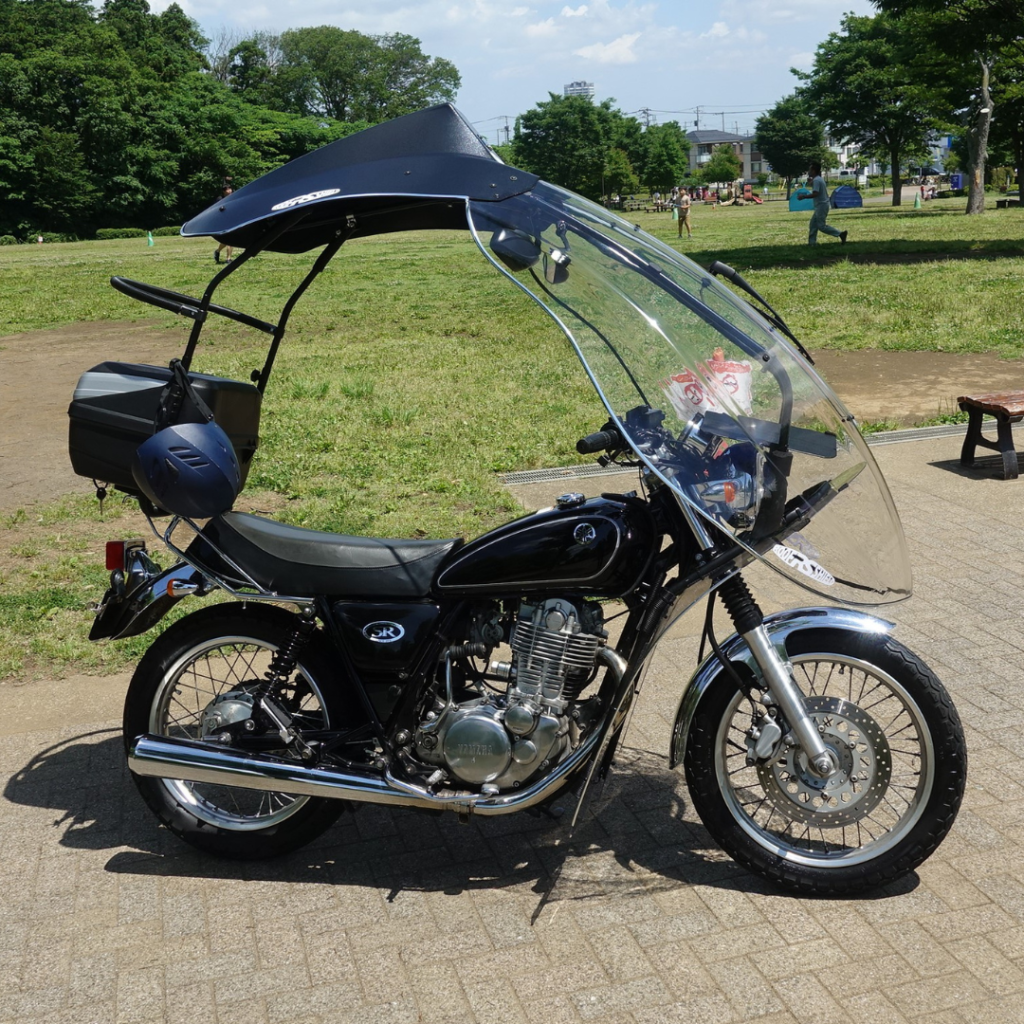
{"type": "Point", "coordinates": [189, 469]}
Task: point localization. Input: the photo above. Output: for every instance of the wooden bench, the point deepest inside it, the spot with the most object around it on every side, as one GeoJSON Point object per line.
{"type": "Point", "coordinates": [1007, 408]}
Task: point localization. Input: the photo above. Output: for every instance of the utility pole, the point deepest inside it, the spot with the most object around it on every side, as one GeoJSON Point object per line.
{"type": "Point", "coordinates": [645, 114]}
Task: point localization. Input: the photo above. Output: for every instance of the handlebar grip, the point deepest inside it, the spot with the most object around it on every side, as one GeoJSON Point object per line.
{"type": "Point", "coordinates": [599, 442]}
{"type": "Point", "coordinates": [724, 269]}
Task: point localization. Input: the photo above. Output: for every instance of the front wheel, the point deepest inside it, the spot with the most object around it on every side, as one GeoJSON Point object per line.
{"type": "Point", "coordinates": [899, 759]}
{"type": "Point", "coordinates": [207, 670]}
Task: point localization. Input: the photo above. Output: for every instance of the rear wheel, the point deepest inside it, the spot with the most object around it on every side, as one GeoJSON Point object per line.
{"type": "Point", "coordinates": [203, 673]}
{"type": "Point", "coordinates": [900, 765]}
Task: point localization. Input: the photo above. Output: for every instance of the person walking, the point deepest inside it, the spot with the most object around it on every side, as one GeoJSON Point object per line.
{"type": "Point", "coordinates": [819, 193]}
{"type": "Point", "coordinates": [682, 212]}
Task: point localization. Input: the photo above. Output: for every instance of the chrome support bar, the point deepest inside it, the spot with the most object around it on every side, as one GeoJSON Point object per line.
{"type": "Point", "coordinates": [785, 693]}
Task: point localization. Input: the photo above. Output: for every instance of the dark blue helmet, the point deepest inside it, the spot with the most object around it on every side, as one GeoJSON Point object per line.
{"type": "Point", "coordinates": [188, 470]}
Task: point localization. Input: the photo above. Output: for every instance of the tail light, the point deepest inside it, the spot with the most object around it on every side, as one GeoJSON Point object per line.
{"type": "Point", "coordinates": [118, 553]}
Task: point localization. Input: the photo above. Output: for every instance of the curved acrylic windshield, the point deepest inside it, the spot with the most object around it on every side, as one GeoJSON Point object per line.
{"type": "Point", "coordinates": [713, 399]}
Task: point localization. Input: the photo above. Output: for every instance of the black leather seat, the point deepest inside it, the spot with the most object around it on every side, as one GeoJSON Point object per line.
{"type": "Point", "coordinates": [296, 562]}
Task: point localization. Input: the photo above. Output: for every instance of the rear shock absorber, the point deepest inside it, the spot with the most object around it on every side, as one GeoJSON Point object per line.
{"type": "Point", "coordinates": [286, 657]}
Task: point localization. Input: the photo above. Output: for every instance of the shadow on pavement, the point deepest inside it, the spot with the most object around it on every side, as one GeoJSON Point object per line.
{"type": "Point", "coordinates": [632, 836]}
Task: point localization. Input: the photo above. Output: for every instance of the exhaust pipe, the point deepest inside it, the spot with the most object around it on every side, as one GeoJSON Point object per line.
{"type": "Point", "coordinates": [165, 757]}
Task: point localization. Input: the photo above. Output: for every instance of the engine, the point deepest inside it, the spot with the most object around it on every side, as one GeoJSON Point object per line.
{"type": "Point", "coordinates": [498, 741]}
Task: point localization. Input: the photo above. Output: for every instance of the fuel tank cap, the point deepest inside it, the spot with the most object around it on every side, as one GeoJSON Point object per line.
{"type": "Point", "coordinates": [570, 500]}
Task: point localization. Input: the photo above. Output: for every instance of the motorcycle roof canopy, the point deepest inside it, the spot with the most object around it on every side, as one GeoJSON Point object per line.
{"type": "Point", "coordinates": [411, 173]}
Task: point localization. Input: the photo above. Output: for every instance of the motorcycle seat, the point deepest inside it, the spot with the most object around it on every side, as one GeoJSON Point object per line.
{"type": "Point", "coordinates": [297, 562]}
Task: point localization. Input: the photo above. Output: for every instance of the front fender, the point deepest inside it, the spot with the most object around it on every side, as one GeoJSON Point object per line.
{"type": "Point", "coordinates": [780, 627]}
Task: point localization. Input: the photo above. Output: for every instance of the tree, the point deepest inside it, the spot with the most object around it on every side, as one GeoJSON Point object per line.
{"type": "Point", "coordinates": [982, 33]}
{"type": "Point", "coordinates": [563, 139]}
{"type": "Point", "coordinates": [724, 165]}
{"type": "Point", "coordinates": [666, 157]}
{"type": "Point", "coordinates": [619, 175]}
{"type": "Point", "coordinates": [350, 76]}
{"type": "Point", "coordinates": [864, 88]}
{"type": "Point", "coordinates": [789, 137]}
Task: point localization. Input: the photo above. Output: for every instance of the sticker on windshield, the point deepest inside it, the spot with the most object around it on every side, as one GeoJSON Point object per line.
{"type": "Point", "coordinates": [803, 564]}
{"type": "Point", "coordinates": [307, 198]}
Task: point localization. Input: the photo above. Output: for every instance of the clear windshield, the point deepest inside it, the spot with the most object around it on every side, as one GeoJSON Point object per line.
{"type": "Point", "coordinates": [712, 398]}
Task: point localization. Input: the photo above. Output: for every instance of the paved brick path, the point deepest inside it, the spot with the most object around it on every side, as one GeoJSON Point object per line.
{"type": "Point", "coordinates": [396, 917]}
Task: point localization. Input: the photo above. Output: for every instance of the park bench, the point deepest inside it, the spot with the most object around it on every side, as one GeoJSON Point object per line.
{"type": "Point", "coordinates": [1007, 408]}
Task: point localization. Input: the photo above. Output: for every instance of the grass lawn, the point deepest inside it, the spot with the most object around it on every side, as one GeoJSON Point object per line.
{"type": "Point", "coordinates": [413, 373]}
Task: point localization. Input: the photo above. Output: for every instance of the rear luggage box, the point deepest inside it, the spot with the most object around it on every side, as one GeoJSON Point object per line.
{"type": "Point", "coordinates": [115, 405]}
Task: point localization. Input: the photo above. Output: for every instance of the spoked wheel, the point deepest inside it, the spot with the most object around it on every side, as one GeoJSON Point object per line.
{"type": "Point", "coordinates": [899, 759]}
{"type": "Point", "coordinates": [202, 676]}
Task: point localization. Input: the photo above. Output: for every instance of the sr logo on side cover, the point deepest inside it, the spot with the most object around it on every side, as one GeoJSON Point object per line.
{"type": "Point", "coordinates": [383, 632]}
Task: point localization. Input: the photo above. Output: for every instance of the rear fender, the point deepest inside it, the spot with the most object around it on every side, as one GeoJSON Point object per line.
{"type": "Point", "coordinates": [139, 599]}
{"type": "Point", "coordinates": [780, 626]}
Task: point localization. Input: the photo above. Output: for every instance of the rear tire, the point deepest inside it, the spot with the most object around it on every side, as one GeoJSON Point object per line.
{"type": "Point", "coordinates": [226, 649]}
{"type": "Point", "coordinates": [902, 761]}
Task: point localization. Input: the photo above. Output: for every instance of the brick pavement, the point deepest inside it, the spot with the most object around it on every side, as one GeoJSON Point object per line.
{"type": "Point", "coordinates": [396, 917]}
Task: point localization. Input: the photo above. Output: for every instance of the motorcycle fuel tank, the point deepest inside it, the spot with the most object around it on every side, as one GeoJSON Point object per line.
{"type": "Point", "coordinates": [602, 546]}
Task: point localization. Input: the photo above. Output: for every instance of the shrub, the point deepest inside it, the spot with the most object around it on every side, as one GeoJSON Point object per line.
{"type": "Point", "coordinates": [163, 232]}
{"type": "Point", "coordinates": [8, 240]}
{"type": "Point", "coordinates": [106, 234]}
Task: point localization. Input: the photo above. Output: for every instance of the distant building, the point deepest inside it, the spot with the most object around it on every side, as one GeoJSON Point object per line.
{"type": "Point", "coordinates": [580, 89]}
{"type": "Point", "coordinates": [704, 142]}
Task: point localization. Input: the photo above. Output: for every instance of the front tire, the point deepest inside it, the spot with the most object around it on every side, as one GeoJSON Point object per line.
{"type": "Point", "coordinates": [900, 757]}
{"type": "Point", "coordinates": [210, 663]}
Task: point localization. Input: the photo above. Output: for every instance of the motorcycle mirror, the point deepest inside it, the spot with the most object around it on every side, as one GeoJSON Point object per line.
{"type": "Point", "coordinates": [516, 250]}
{"type": "Point", "coordinates": [556, 266]}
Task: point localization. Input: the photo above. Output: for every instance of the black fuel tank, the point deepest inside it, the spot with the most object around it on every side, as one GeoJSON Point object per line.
{"type": "Point", "coordinates": [600, 547]}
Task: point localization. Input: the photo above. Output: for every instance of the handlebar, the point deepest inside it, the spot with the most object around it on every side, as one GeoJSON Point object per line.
{"type": "Point", "coordinates": [602, 441]}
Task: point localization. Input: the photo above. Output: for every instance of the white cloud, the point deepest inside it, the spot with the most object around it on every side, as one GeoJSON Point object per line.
{"type": "Point", "coordinates": [568, 12]}
{"type": "Point", "coordinates": [619, 51]}
{"type": "Point", "coordinates": [541, 29]}
{"type": "Point", "coordinates": [717, 31]}
{"type": "Point", "coordinates": [804, 61]}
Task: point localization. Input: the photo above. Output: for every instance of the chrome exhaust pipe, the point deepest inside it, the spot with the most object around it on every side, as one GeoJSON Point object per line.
{"type": "Point", "coordinates": [165, 757]}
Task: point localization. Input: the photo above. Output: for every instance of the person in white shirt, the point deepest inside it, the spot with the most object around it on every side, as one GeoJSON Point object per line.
{"type": "Point", "coordinates": [819, 193]}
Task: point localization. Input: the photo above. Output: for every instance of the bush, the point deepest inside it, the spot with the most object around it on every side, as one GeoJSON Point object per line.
{"type": "Point", "coordinates": [106, 234]}
{"type": "Point", "coordinates": [8, 240]}
{"type": "Point", "coordinates": [163, 232]}
{"type": "Point", "coordinates": [52, 236]}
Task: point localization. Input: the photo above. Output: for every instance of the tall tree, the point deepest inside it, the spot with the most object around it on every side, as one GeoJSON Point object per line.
{"type": "Point", "coordinates": [666, 155]}
{"type": "Point", "coordinates": [789, 137]}
{"type": "Point", "coordinates": [864, 88]}
{"type": "Point", "coordinates": [565, 139]}
{"type": "Point", "coordinates": [982, 33]}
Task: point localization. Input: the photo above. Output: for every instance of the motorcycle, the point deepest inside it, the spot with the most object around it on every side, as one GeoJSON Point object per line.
{"type": "Point", "coordinates": [480, 677]}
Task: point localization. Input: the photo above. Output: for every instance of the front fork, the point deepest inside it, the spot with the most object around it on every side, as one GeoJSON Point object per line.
{"type": "Point", "coordinates": [776, 673]}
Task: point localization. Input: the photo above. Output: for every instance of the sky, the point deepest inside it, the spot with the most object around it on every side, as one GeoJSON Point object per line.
{"type": "Point", "coordinates": [723, 62]}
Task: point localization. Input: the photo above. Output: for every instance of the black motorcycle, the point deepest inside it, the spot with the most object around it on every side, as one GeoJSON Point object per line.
{"type": "Point", "coordinates": [479, 677]}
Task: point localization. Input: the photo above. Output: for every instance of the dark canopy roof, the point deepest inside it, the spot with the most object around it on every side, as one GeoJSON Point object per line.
{"type": "Point", "coordinates": [397, 176]}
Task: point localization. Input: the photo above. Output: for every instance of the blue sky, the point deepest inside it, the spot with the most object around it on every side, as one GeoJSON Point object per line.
{"type": "Point", "coordinates": [730, 58]}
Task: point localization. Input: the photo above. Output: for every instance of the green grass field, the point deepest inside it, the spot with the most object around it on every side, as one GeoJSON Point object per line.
{"type": "Point", "coordinates": [413, 373]}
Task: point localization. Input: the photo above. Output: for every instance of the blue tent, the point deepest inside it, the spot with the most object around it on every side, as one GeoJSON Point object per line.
{"type": "Point", "coordinates": [846, 197]}
{"type": "Point", "coordinates": [801, 200]}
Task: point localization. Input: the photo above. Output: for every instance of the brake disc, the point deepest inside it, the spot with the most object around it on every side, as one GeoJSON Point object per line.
{"type": "Point", "coordinates": [863, 768]}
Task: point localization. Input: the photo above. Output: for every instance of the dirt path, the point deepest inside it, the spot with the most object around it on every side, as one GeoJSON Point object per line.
{"type": "Point", "coordinates": [38, 371]}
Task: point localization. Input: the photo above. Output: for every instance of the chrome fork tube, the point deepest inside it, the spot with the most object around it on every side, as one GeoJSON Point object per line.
{"type": "Point", "coordinates": [787, 695]}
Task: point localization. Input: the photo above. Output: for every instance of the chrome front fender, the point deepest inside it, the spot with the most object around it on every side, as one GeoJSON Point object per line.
{"type": "Point", "coordinates": [780, 627]}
